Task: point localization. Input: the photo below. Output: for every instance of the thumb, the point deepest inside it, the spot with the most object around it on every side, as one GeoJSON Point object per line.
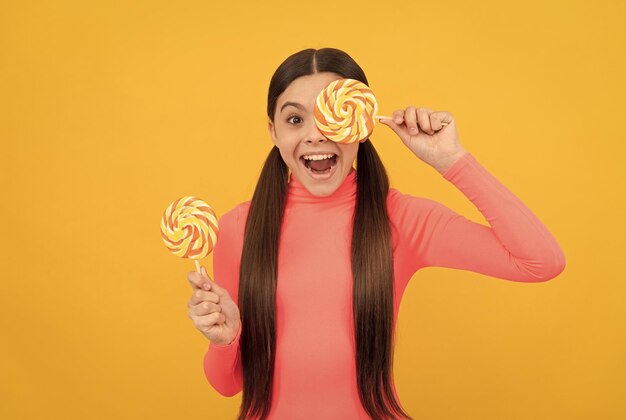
{"type": "Point", "coordinates": [220, 291]}
{"type": "Point", "coordinates": [395, 127]}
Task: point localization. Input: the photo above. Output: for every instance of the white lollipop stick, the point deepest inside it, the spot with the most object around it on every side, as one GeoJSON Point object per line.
{"type": "Point", "coordinates": [390, 118]}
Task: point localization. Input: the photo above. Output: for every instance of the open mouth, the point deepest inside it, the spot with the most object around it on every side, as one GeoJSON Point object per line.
{"type": "Point", "coordinates": [319, 164]}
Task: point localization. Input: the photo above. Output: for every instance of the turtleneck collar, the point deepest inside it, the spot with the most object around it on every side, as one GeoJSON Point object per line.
{"type": "Point", "coordinates": [297, 193]}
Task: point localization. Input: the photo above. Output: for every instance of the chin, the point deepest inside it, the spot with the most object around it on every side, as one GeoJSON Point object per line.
{"type": "Point", "coordinates": [322, 190]}
{"type": "Point", "coordinates": [325, 188]}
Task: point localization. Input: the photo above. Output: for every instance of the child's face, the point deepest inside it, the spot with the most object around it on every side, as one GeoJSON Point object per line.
{"type": "Point", "coordinates": [295, 134]}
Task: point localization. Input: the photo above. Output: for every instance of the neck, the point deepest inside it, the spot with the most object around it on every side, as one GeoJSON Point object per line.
{"type": "Point", "coordinates": [298, 193]}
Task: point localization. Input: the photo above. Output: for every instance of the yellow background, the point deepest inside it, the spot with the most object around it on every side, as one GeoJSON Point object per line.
{"type": "Point", "coordinates": [111, 110]}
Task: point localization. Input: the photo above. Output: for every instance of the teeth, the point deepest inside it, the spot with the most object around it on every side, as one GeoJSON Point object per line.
{"type": "Point", "coordinates": [317, 157]}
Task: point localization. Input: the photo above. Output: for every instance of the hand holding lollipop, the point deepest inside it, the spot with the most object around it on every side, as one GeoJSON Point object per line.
{"type": "Point", "coordinates": [189, 229]}
{"type": "Point", "coordinates": [346, 111]}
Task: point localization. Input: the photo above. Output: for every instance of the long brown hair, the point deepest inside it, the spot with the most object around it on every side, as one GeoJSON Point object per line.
{"type": "Point", "coordinates": [371, 254]}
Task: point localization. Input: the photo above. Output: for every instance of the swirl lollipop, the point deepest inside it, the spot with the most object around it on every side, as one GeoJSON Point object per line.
{"type": "Point", "coordinates": [189, 228]}
{"type": "Point", "coordinates": [346, 111]}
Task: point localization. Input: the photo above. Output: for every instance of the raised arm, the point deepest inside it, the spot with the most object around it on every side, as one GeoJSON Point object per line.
{"type": "Point", "coordinates": [516, 246]}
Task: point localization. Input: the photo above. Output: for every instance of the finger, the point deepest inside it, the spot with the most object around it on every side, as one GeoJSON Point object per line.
{"type": "Point", "coordinates": [195, 280]}
{"type": "Point", "coordinates": [207, 321]}
{"type": "Point", "coordinates": [219, 290]}
{"type": "Point", "coordinates": [439, 117]}
{"type": "Point", "coordinates": [205, 308]}
{"type": "Point", "coordinates": [202, 296]}
{"type": "Point", "coordinates": [398, 116]}
{"type": "Point", "coordinates": [206, 276]}
{"type": "Point", "coordinates": [204, 273]}
{"type": "Point", "coordinates": [435, 120]}
{"type": "Point", "coordinates": [395, 127]}
{"type": "Point", "coordinates": [410, 118]}
{"type": "Point", "coordinates": [199, 281]}
{"type": "Point", "coordinates": [212, 285]}
{"type": "Point", "coordinates": [424, 120]}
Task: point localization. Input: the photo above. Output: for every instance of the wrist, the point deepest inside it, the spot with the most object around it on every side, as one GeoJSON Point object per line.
{"type": "Point", "coordinates": [229, 343]}
{"type": "Point", "coordinates": [446, 163]}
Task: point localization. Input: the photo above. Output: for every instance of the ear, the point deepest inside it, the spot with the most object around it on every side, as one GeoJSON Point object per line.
{"type": "Point", "coordinates": [272, 130]}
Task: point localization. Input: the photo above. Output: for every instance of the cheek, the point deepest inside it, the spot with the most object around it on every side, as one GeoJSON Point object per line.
{"type": "Point", "coordinates": [283, 143]}
{"type": "Point", "coordinates": [350, 152]}
{"type": "Point", "coordinates": [286, 151]}
{"type": "Point", "coordinates": [284, 154]}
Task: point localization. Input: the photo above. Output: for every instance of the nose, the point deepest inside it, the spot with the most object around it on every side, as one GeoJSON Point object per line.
{"type": "Point", "coordinates": [314, 135]}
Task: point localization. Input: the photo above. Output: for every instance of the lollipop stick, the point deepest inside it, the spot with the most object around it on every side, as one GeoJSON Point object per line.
{"type": "Point", "coordinates": [390, 118]}
{"type": "Point", "coordinates": [197, 266]}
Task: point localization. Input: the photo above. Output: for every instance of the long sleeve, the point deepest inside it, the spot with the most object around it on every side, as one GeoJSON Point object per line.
{"type": "Point", "coordinates": [516, 246]}
{"type": "Point", "coordinates": [222, 363]}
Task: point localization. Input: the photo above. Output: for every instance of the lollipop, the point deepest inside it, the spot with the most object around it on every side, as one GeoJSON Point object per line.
{"type": "Point", "coordinates": [346, 111]}
{"type": "Point", "coordinates": [189, 228]}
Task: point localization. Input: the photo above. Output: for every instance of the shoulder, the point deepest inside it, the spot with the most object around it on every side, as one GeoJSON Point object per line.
{"type": "Point", "coordinates": [235, 218]}
{"type": "Point", "coordinates": [231, 226]}
{"type": "Point", "coordinates": [408, 213]}
{"type": "Point", "coordinates": [401, 205]}
{"type": "Point", "coordinates": [409, 217]}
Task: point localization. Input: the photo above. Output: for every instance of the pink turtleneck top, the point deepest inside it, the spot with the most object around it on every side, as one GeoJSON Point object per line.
{"type": "Point", "coordinates": [315, 375]}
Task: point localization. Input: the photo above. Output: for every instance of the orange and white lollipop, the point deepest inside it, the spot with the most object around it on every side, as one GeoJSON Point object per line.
{"type": "Point", "coordinates": [346, 111]}
{"type": "Point", "coordinates": [189, 228]}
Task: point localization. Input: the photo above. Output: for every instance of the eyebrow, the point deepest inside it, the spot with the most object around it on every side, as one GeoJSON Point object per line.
{"type": "Point", "coordinates": [297, 105]}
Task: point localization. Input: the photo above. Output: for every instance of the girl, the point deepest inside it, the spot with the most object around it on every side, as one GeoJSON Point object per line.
{"type": "Point", "coordinates": [310, 272]}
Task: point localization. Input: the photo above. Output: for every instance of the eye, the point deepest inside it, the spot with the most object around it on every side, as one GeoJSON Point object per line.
{"type": "Point", "coordinates": [298, 119]}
